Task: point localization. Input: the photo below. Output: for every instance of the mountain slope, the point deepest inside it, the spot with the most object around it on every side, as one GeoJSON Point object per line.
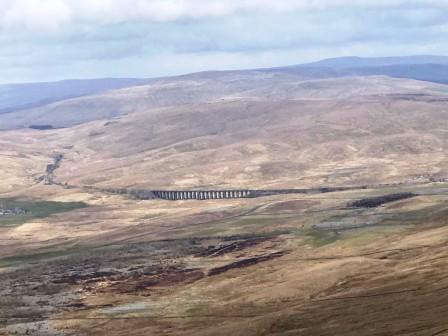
{"type": "Point", "coordinates": [24, 96]}
{"type": "Point", "coordinates": [345, 131]}
{"type": "Point", "coordinates": [426, 68]}
{"type": "Point", "coordinates": [69, 103]}
{"type": "Point", "coordinates": [209, 87]}
{"type": "Point", "coordinates": [362, 62]}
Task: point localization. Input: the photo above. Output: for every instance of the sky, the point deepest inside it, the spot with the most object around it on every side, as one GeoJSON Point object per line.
{"type": "Point", "coordinates": [45, 40]}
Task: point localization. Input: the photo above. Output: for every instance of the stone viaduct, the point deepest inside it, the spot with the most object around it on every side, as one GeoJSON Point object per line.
{"type": "Point", "coordinates": [201, 195]}
{"type": "Point", "coordinates": [179, 195]}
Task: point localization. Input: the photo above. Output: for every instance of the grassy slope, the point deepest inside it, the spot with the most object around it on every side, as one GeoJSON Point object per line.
{"type": "Point", "coordinates": [284, 296]}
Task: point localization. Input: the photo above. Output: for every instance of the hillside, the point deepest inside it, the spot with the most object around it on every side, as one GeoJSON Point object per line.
{"type": "Point", "coordinates": [363, 62]}
{"type": "Point", "coordinates": [354, 130]}
{"type": "Point", "coordinates": [25, 96]}
{"type": "Point", "coordinates": [68, 103]}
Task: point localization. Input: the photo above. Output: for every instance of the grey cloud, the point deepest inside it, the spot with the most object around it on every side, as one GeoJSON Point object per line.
{"type": "Point", "coordinates": [94, 40]}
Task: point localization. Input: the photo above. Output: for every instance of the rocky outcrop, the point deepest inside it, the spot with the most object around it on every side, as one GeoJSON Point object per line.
{"type": "Point", "coordinates": [48, 178]}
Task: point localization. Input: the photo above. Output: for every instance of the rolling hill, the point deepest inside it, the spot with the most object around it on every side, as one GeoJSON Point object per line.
{"type": "Point", "coordinates": [252, 130]}
{"type": "Point", "coordinates": [72, 102]}
{"type": "Point", "coordinates": [25, 96]}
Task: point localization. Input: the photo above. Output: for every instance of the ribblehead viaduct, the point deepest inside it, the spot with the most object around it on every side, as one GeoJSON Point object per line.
{"type": "Point", "coordinates": [201, 195]}
{"type": "Point", "coordinates": [180, 195]}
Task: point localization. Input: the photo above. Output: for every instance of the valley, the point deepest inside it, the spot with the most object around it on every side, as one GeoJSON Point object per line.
{"type": "Point", "coordinates": [184, 267]}
{"type": "Point", "coordinates": [304, 201]}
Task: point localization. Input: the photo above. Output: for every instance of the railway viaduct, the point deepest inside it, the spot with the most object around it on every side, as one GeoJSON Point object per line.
{"type": "Point", "coordinates": [180, 195]}
{"type": "Point", "coordinates": [201, 195]}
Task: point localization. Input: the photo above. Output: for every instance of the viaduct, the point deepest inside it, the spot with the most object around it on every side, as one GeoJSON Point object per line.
{"type": "Point", "coordinates": [201, 195]}
{"type": "Point", "coordinates": [180, 195]}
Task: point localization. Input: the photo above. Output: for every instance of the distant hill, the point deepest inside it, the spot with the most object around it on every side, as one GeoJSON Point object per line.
{"type": "Point", "coordinates": [279, 127]}
{"type": "Point", "coordinates": [24, 96]}
{"type": "Point", "coordinates": [275, 131]}
{"type": "Point", "coordinates": [436, 73]}
{"type": "Point", "coordinates": [426, 68]}
{"type": "Point", "coordinates": [360, 62]}
{"type": "Point", "coordinates": [73, 102]}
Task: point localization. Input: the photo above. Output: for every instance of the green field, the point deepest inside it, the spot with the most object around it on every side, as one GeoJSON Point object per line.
{"type": "Point", "coordinates": [34, 209]}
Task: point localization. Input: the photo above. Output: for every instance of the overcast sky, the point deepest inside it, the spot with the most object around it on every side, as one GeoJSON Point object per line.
{"type": "Point", "coordinates": [44, 40]}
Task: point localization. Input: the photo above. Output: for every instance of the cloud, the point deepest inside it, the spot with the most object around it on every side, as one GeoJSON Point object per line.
{"type": "Point", "coordinates": [45, 15]}
{"type": "Point", "coordinates": [51, 15]}
{"type": "Point", "coordinates": [55, 39]}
